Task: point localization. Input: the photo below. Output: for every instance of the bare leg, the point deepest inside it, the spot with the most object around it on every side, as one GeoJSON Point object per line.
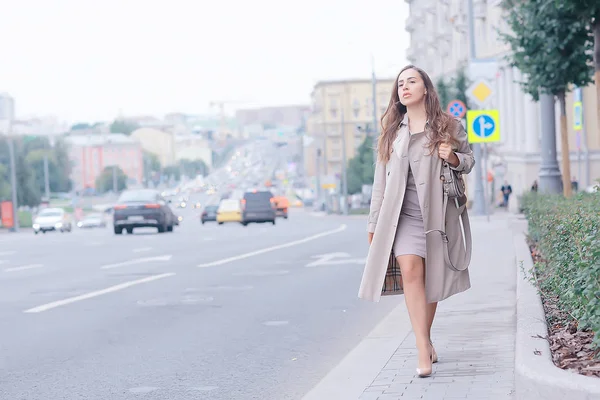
{"type": "Point", "coordinates": [413, 278]}
{"type": "Point", "coordinates": [431, 308]}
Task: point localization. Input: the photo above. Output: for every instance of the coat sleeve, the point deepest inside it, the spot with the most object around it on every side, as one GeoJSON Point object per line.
{"type": "Point", "coordinates": [376, 196]}
{"type": "Point", "coordinates": [463, 152]}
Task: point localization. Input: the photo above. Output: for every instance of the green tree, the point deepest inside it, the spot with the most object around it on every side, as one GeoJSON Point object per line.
{"type": "Point", "coordinates": [80, 126]}
{"type": "Point", "coordinates": [28, 192]}
{"type": "Point", "coordinates": [4, 182]}
{"type": "Point", "coordinates": [361, 167]}
{"type": "Point", "coordinates": [35, 149]}
{"type": "Point", "coordinates": [121, 126]}
{"type": "Point", "coordinates": [460, 84]}
{"type": "Point", "coordinates": [552, 47]}
{"type": "Point", "coordinates": [589, 12]}
{"type": "Point", "coordinates": [104, 182]}
{"type": "Point", "coordinates": [152, 161]}
{"type": "Point", "coordinates": [172, 171]}
{"type": "Point", "coordinates": [193, 168]}
{"type": "Point", "coordinates": [444, 93]}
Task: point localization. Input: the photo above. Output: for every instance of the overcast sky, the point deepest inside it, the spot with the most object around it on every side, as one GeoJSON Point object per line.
{"type": "Point", "coordinates": [88, 60]}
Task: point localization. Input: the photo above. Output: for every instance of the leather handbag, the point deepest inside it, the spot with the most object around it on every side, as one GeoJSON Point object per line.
{"type": "Point", "coordinates": [454, 189]}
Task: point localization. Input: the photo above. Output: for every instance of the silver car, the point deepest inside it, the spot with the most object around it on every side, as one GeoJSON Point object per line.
{"type": "Point", "coordinates": [52, 219]}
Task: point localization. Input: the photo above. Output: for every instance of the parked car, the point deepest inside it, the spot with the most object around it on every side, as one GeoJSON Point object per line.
{"type": "Point", "coordinates": [229, 210]}
{"type": "Point", "coordinates": [209, 213]}
{"type": "Point", "coordinates": [143, 208]}
{"type": "Point", "coordinates": [258, 206]}
{"type": "Point", "coordinates": [52, 219]}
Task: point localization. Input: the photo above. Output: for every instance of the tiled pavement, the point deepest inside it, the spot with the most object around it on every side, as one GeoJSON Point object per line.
{"type": "Point", "coordinates": [474, 332]}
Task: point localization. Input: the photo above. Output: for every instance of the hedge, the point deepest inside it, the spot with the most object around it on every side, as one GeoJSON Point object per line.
{"type": "Point", "coordinates": [567, 233]}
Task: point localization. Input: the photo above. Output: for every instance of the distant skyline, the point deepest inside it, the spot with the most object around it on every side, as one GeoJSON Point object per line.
{"type": "Point", "coordinates": [85, 61]}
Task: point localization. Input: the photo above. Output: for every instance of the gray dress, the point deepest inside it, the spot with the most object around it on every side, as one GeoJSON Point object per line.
{"type": "Point", "coordinates": [410, 233]}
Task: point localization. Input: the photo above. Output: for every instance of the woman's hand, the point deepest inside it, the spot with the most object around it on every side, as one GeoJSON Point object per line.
{"type": "Point", "coordinates": [370, 237]}
{"type": "Point", "coordinates": [446, 153]}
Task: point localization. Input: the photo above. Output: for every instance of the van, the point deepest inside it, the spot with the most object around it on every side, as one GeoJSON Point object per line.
{"type": "Point", "coordinates": [258, 206]}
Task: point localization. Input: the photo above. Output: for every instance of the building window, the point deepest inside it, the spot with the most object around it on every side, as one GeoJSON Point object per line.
{"type": "Point", "coordinates": [336, 153]}
{"type": "Point", "coordinates": [356, 108]}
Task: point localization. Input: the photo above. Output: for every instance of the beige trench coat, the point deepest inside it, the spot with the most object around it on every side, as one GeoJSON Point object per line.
{"type": "Point", "coordinates": [386, 203]}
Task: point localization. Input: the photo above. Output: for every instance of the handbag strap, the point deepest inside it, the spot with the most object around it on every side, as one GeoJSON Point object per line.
{"type": "Point", "coordinates": [466, 229]}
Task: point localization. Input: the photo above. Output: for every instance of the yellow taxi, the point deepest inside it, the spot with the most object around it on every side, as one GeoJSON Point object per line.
{"type": "Point", "coordinates": [229, 210]}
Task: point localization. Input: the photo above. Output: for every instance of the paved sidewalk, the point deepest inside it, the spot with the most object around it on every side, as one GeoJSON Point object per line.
{"type": "Point", "coordinates": [474, 332]}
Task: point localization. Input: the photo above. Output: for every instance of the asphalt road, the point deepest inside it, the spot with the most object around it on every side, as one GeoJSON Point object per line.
{"type": "Point", "coordinates": [207, 312]}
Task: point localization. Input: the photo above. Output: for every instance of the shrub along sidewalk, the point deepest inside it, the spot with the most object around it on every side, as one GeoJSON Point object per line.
{"type": "Point", "coordinates": [565, 241]}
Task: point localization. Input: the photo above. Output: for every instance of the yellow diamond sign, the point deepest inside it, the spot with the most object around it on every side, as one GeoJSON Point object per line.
{"type": "Point", "coordinates": [480, 91]}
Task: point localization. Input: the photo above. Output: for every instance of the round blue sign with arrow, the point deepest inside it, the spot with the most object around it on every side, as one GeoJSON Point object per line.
{"type": "Point", "coordinates": [484, 126]}
{"type": "Point", "coordinates": [457, 108]}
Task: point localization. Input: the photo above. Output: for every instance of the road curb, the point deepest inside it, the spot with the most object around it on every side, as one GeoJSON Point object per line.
{"type": "Point", "coordinates": [359, 368]}
{"type": "Point", "coordinates": [536, 376]}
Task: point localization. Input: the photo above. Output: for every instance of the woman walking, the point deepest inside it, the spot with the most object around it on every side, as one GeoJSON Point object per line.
{"type": "Point", "coordinates": [407, 208]}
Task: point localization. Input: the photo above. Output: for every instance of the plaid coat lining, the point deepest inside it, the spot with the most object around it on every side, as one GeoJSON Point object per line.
{"type": "Point", "coordinates": [392, 283]}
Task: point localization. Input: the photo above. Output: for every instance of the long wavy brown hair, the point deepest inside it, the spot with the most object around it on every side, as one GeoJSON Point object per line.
{"type": "Point", "coordinates": [442, 126]}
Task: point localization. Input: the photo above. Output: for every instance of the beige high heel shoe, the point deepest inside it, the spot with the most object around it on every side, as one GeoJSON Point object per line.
{"type": "Point", "coordinates": [425, 372]}
{"type": "Point", "coordinates": [434, 356]}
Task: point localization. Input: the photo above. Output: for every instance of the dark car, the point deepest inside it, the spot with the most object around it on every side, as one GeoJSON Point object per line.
{"type": "Point", "coordinates": [209, 213]}
{"type": "Point", "coordinates": [143, 208]}
{"type": "Point", "coordinates": [258, 206]}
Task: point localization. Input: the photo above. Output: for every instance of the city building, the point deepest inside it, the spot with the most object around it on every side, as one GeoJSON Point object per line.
{"type": "Point", "coordinates": [91, 154]}
{"type": "Point", "coordinates": [339, 108]}
{"type": "Point", "coordinates": [49, 127]}
{"type": "Point", "coordinates": [440, 45]}
{"type": "Point", "coordinates": [292, 116]}
{"type": "Point", "coordinates": [171, 147]}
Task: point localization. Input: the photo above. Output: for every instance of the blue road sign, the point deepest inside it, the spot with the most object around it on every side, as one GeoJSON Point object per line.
{"type": "Point", "coordinates": [457, 108]}
{"type": "Point", "coordinates": [484, 126]}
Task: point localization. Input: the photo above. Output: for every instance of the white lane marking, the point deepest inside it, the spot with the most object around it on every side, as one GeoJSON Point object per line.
{"type": "Point", "coordinates": [115, 288]}
{"type": "Point", "coordinates": [137, 261]}
{"type": "Point", "coordinates": [23, 267]}
{"type": "Point", "coordinates": [7, 253]}
{"type": "Point", "coordinates": [328, 259]}
{"type": "Point", "coordinates": [273, 248]}
{"type": "Point", "coordinates": [142, 249]}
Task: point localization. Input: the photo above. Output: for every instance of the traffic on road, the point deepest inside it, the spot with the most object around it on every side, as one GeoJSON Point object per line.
{"type": "Point", "coordinates": [223, 289]}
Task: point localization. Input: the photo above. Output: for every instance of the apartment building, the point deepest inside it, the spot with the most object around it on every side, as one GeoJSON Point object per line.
{"type": "Point", "coordinates": [341, 109]}
{"type": "Point", "coordinates": [91, 154]}
{"type": "Point", "coordinates": [440, 45]}
{"type": "Point", "coordinates": [170, 147]}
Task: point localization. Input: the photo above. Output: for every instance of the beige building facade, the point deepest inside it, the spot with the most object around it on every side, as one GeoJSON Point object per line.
{"type": "Point", "coordinates": [341, 110]}
{"type": "Point", "coordinates": [170, 147]}
{"type": "Point", "coordinates": [440, 45]}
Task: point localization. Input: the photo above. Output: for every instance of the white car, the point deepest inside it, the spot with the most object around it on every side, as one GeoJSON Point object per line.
{"type": "Point", "coordinates": [52, 219]}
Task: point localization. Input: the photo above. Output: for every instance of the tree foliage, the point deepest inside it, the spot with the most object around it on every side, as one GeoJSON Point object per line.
{"type": "Point", "coordinates": [361, 167]}
{"type": "Point", "coordinates": [551, 46]}
{"type": "Point", "coordinates": [122, 126]}
{"type": "Point", "coordinates": [29, 162]}
{"type": "Point", "coordinates": [104, 182]}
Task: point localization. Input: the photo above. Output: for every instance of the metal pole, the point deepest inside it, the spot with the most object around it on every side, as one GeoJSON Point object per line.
{"type": "Point", "coordinates": [485, 163]}
{"type": "Point", "coordinates": [344, 177]}
{"type": "Point", "coordinates": [318, 175]}
{"type": "Point", "coordinates": [550, 176]}
{"type": "Point", "coordinates": [479, 206]}
{"type": "Point", "coordinates": [46, 177]}
{"type": "Point", "coordinates": [13, 179]}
